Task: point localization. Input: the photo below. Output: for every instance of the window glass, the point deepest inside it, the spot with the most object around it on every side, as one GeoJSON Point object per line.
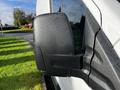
{"type": "Point", "coordinates": [56, 5]}
{"type": "Point", "coordinates": [74, 9]}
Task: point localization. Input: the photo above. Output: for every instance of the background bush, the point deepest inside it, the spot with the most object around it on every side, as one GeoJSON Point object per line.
{"type": "Point", "coordinates": [10, 28]}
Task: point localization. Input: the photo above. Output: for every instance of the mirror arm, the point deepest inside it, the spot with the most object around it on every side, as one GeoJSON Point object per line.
{"type": "Point", "coordinates": [65, 61]}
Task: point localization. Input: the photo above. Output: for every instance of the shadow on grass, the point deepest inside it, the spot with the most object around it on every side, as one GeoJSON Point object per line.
{"type": "Point", "coordinates": [8, 39]}
{"type": "Point", "coordinates": [10, 42]}
{"type": "Point", "coordinates": [16, 46]}
{"type": "Point", "coordinates": [16, 60]}
{"type": "Point", "coordinates": [15, 49]}
{"type": "Point", "coordinates": [28, 81]}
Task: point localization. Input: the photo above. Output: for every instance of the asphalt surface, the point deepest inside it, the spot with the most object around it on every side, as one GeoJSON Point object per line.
{"type": "Point", "coordinates": [26, 36]}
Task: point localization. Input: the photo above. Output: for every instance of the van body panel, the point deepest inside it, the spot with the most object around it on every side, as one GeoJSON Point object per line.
{"type": "Point", "coordinates": [110, 26]}
{"type": "Point", "coordinates": [110, 17]}
{"type": "Point", "coordinates": [42, 7]}
{"type": "Point", "coordinates": [117, 48]}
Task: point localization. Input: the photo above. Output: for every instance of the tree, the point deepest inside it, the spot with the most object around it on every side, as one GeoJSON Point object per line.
{"type": "Point", "coordinates": [1, 23]}
{"type": "Point", "coordinates": [29, 18]}
{"type": "Point", "coordinates": [6, 25]}
{"type": "Point", "coordinates": [19, 17]}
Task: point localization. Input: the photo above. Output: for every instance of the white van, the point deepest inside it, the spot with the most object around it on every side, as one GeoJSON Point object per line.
{"type": "Point", "coordinates": [78, 42]}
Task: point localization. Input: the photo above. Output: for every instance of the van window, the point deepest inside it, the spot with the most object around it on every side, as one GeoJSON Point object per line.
{"type": "Point", "coordinates": [56, 5]}
{"type": "Point", "coordinates": [74, 9]}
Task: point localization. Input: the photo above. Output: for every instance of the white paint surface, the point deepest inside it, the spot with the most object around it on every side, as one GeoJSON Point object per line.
{"type": "Point", "coordinates": [93, 9]}
{"type": "Point", "coordinates": [72, 83]}
{"type": "Point", "coordinates": [43, 6]}
{"type": "Point", "coordinates": [110, 17]}
{"type": "Point", "coordinates": [117, 48]}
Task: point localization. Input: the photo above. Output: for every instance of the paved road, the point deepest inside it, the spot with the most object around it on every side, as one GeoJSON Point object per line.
{"type": "Point", "coordinates": [1, 33]}
{"type": "Point", "coordinates": [26, 36]}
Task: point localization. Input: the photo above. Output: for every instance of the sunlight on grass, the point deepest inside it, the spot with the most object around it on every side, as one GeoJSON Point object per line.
{"type": "Point", "coordinates": [14, 44]}
{"type": "Point", "coordinates": [14, 48]}
{"type": "Point", "coordinates": [18, 55]}
{"type": "Point", "coordinates": [17, 65]}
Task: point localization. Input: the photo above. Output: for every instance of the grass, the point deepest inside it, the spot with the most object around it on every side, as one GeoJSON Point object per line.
{"type": "Point", "coordinates": [22, 30]}
{"type": "Point", "coordinates": [17, 65]}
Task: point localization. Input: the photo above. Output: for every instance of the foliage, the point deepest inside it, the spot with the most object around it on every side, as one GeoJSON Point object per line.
{"type": "Point", "coordinates": [17, 65]}
{"type": "Point", "coordinates": [1, 23]}
{"type": "Point", "coordinates": [21, 18]}
{"type": "Point", "coordinates": [9, 28]}
{"type": "Point", "coordinates": [29, 18]}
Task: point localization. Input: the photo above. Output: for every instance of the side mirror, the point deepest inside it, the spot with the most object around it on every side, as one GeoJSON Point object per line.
{"type": "Point", "coordinates": [54, 45]}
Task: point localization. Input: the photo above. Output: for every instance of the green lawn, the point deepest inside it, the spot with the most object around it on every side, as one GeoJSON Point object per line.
{"type": "Point", "coordinates": [17, 65]}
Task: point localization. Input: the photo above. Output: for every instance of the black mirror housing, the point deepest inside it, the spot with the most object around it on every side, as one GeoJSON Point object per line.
{"type": "Point", "coordinates": [53, 33]}
{"type": "Point", "coordinates": [54, 46]}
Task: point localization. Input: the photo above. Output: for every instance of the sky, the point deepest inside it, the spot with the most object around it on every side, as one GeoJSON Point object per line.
{"type": "Point", "coordinates": [7, 7]}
